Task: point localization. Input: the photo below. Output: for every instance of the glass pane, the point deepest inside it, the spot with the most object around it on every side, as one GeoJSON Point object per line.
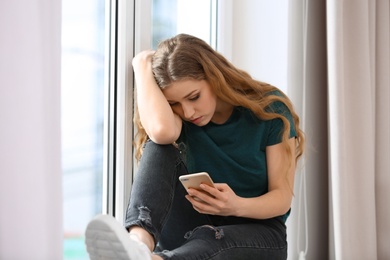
{"type": "Point", "coordinates": [171, 17]}
{"type": "Point", "coordinates": [83, 31]}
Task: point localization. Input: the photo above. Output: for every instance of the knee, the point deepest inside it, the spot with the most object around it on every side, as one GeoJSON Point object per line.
{"type": "Point", "coordinates": [161, 150]}
{"type": "Point", "coordinates": [154, 146]}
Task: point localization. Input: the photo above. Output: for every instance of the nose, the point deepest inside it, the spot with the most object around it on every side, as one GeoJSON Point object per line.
{"type": "Point", "coordinates": [188, 111]}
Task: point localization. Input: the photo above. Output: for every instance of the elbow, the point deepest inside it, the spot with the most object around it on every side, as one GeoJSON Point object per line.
{"type": "Point", "coordinates": [279, 211]}
{"type": "Point", "coordinates": [285, 206]}
{"type": "Point", "coordinates": [163, 135]}
{"type": "Point", "coordinates": [285, 209]}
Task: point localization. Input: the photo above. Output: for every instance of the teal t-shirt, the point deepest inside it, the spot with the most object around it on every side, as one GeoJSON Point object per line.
{"type": "Point", "coordinates": [234, 152]}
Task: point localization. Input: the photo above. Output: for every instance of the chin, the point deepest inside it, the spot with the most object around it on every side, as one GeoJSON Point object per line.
{"type": "Point", "coordinates": [203, 123]}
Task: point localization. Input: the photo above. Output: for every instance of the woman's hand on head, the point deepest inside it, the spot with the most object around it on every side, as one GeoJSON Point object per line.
{"type": "Point", "coordinates": [218, 200]}
{"type": "Point", "coordinates": [143, 60]}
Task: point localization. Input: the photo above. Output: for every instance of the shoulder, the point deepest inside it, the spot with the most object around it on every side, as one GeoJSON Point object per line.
{"type": "Point", "coordinates": [278, 103]}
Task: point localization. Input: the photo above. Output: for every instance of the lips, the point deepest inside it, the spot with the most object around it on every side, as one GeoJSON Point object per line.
{"type": "Point", "coordinates": [196, 120]}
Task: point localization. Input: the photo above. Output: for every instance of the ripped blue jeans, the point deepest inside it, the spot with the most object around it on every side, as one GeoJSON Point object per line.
{"type": "Point", "coordinates": [157, 204]}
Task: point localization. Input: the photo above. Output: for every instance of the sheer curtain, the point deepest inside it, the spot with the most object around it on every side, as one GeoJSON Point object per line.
{"type": "Point", "coordinates": [307, 87]}
{"type": "Point", "coordinates": [30, 168]}
{"type": "Point", "coordinates": [354, 128]}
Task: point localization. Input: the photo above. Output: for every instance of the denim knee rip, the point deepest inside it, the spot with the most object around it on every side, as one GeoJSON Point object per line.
{"type": "Point", "coordinates": [218, 231]}
{"type": "Point", "coordinates": [144, 215]}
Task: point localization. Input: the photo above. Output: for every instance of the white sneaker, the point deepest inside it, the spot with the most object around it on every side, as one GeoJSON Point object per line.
{"type": "Point", "coordinates": [105, 238]}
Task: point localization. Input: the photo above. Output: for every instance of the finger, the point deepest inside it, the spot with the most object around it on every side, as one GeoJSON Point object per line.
{"type": "Point", "coordinates": [201, 195]}
{"type": "Point", "coordinates": [203, 208]}
{"type": "Point", "coordinates": [194, 199]}
{"type": "Point", "coordinates": [196, 204]}
{"type": "Point", "coordinates": [220, 186]}
{"type": "Point", "coordinates": [210, 190]}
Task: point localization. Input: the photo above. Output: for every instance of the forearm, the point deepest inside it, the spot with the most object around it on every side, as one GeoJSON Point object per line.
{"type": "Point", "coordinates": [156, 115]}
{"type": "Point", "coordinates": [277, 201]}
{"type": "Point", "coordinates": [271, 204]}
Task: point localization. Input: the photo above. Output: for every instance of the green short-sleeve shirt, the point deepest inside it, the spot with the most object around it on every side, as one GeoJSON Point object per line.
{"type": "Point", "coordinates": [234, 152]}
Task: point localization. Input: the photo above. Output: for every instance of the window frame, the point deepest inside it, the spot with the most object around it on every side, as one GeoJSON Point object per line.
{"type": "Point", "coordinates": [130, 31]}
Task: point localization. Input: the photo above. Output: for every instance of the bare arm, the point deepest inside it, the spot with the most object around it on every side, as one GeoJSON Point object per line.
{"type": "Point", "coordinates": [157, 117]}
{"type": "Point", "coordinates": [275, 202]}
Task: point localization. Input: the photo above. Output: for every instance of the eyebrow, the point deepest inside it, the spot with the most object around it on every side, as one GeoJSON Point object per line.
{"type": "Point", "coordinates": [186, 96]}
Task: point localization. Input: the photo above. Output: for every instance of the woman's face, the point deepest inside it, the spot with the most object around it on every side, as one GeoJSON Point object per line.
{"type": "Point", "coordinates": [192, 100]}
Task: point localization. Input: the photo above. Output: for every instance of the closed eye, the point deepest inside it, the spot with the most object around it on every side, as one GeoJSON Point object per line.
{"type": "Point", "coordinates": [193, 98]}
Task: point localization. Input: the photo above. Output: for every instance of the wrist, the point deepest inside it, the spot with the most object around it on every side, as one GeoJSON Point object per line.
{"type": "Point", "coordinates": [239, 210]}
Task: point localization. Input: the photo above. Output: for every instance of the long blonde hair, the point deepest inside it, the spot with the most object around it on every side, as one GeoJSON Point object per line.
{"type": "Point", "coordinates": [187, 57]}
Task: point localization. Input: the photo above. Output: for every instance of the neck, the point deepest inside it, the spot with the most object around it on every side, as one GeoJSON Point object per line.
{"type": "Point", "coordinates": [222, 112]}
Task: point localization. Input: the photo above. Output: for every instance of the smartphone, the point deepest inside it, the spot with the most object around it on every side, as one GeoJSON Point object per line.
{"type": "Point", "coordinates": [193, 180]}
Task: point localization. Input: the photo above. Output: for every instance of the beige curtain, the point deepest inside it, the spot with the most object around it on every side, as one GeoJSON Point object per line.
{"type": "Point", "coordinates": [359, 115]}
{"type": "Point", "coordinates": [30, 154]}
{"type": "Point", "coordinates": [339, 67]}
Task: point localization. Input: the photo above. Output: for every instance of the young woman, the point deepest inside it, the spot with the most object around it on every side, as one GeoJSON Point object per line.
{"type": "Point", "coordinates": [199, 113]}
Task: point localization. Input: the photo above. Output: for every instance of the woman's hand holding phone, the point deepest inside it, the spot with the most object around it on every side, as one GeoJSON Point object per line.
{"type": "Point", "coordinates": [210, 198]}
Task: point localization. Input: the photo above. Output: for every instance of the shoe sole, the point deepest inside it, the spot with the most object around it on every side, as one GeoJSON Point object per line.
{"type": "Point", "coordinates": [106, 239]}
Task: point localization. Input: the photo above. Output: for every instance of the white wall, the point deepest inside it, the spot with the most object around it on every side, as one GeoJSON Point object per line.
{"type": "Point", "coordinates": [30, 168]}
{"type": "Point", "coordinates": [252, 34]}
